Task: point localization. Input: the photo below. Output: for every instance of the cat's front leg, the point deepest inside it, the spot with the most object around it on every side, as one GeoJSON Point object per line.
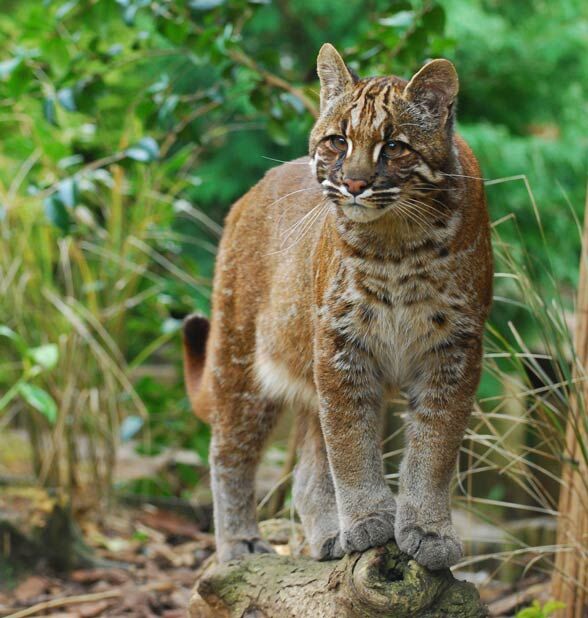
{"type": "Point", "coordinates": [441, 400]}
{"type": "Point", "coordinates": [350, 399]}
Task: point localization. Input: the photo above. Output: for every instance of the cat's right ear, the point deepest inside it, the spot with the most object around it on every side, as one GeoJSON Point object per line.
{"type": "Point", "coordinates": [333, 73]}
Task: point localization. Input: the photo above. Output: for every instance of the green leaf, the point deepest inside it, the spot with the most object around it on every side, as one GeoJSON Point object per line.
{"type": "Point", "coordinates": [530, 612]}
{"type": "Point", "coordinates": [66, 98]}
{"type": "Point", "coordinates": [68, 191]}
{"type": "Point", "coordinates": [18, 341]}
{"type": "Point", "coordinates": [8, 332]}
{"type": "Point", "coordinates": [49, 111]}
{"type": "Point", "coordinates": [45, 355]}
{"type": "Point", "coordinates": [65, 8]}
{"type": "Point", "coordinates": [205, 5]}
{"type": "Point", "coordinates": [7, 66]}
{"type": "Point", "coordinates": [56, 212]}
{"type": "Point", "coordinates": [402, 19]}
{"type": "Point", "coordinates": [55, 53]}
{"type": "Point", "coordinates": [39, 399]}
{"type": "Point", "coordinates": [145, 150]}
{"type": "Point", "coordinates": [552, 606]}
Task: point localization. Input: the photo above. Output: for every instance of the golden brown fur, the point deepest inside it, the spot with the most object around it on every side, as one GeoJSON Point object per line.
{"type": "Point", "coordinates": [329, 296]}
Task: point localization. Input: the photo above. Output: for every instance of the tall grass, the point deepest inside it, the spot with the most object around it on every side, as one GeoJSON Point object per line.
{"type": "Point", "coordinates": [80, 310]}
{"type": "Point", "coordinates": [517, 439]}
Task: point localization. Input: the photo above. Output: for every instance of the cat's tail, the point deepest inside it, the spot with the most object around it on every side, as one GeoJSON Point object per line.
{"type": "Point", "coordinates": [195, 335]}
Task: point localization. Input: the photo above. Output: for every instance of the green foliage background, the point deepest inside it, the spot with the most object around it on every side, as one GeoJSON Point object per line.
{"type": "Point", "coordinates": [131, 118]}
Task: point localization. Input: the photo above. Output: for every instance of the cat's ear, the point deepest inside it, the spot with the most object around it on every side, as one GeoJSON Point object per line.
{"type": "Point", "coordinates": [333, 73]}
{"type": "Point", "coordinates": [435, 88]}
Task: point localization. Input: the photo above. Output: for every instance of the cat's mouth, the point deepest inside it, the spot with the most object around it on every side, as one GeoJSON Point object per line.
{"type": "Point", "coordinates": [363, 212]}
{"type": "Point", "coordinates": [367, 206]}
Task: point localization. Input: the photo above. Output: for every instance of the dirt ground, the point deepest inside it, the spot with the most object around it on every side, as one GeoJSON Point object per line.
{"type": "Point", "coordinates": [149, 557]}
{"type": "Point", "coordinates": [152, 557]}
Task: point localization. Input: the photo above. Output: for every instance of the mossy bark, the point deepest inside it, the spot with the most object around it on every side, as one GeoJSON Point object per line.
{"type": "Point", "coordinates": [380, 583]}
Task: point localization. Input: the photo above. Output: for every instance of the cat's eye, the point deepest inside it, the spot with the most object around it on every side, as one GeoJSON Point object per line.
{"type": "Point", "coordinates": [393, 149]}
{"type": "Point", "coordinates": [338, 143]}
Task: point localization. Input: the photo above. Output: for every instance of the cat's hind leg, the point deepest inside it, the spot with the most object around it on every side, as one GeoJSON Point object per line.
{"type": "Point", "coordinates": [314, 493]}
{"type": "Point", "coordinates": [242, 422]}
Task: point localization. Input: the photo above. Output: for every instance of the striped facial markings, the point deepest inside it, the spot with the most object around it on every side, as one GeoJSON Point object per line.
{"type": "Point", "coordinates": [400, 177]}
{"type": "Point", "coordinates": [377, 150]}
{"type": "Point", "coordinates": [349, 147]}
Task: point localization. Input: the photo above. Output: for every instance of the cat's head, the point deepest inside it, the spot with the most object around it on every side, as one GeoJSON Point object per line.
{"type": "Point", "coordinates": [381, 141]}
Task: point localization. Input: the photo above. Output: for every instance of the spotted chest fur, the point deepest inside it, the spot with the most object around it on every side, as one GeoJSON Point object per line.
{"type": "Point", "coordinates": [399, 309]}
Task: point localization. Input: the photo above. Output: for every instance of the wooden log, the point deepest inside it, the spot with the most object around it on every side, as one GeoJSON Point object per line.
{"type": "Point", "coordinates": [570, 576]}
{"type": "Point", "coordinates": [381, 582]}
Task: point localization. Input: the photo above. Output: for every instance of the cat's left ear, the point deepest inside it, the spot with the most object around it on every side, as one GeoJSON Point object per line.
{"type": "Point", "coordinates": [434, 87]}
{"type": "Point", "coordinates": [333, 73]}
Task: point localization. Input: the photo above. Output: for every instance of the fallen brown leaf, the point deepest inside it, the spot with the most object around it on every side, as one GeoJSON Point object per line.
{"type": "Point", "coordinates": [31, 588]}
{"type": "Point", "coordinates": [91, 576]}
{"type": "Point", "coordinates": [170, 523]}
{"type": "Point", "coordinates": [91, 610]}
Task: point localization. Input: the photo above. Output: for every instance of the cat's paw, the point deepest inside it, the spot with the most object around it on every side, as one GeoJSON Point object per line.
{"type": "Point", "coordinates": [328, 548]}
{"type": "Point", "coordinates": [372, 530]}
{"type": "Point", "coordinates": [241, 548]}
{"type": "Point", "coordinates": [433, 544]}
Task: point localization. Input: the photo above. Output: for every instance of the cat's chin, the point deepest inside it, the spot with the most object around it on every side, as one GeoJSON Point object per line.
{"type": "Point", "coordinates": [362, 214]}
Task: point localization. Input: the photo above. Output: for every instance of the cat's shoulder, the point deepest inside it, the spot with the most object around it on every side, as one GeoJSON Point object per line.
{"type": "Point", "coordinates": [297, 172]}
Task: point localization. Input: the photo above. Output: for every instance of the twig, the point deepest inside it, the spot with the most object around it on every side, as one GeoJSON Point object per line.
{"type": "Point", "coordinates": [82, 598]}
{"type": "Point", "coordinates": [160, 586]}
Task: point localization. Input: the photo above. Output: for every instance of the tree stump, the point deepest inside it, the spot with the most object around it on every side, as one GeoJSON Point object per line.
{"type": "Point", "coordinates": [379, 583]}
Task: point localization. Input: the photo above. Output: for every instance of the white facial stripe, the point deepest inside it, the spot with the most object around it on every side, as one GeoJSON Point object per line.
{"type": "Point", "coordinates": [340, 188]}
{"type": "Point", "coordinates": [349, 147]}
{"type": "Point", "coordinates": [377, 149]}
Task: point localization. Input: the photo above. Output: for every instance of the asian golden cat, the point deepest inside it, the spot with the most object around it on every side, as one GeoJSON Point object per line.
{"type": "Point", "coordinates": [342, 278]}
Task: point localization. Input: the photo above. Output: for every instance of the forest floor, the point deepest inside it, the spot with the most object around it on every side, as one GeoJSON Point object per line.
{"type": "Point", "coordinates": [153, 556]}
{"type": "Point", "coordinates": [150, 555]}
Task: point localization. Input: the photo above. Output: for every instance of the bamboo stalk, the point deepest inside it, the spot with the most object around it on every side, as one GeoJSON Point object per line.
{"type": "Point", "coordinates": [570, 578]}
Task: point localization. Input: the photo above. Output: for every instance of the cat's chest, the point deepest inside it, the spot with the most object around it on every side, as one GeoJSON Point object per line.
{"type": "Point", "coordinates": [400, 311]}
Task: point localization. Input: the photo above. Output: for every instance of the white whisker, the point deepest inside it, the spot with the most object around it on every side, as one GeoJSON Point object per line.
{"type": "Point", "coordinates": [280, 161]}
{"type": "Point", "coordinates": [307, 227]}
{"type": "Point", "coordinates": [426, 207]}
{"type": "Point", "coordinates": [462, 176]}
{"type": "Point", "coordinates": [403, 207]}
{"type": "Point", "coordinates": [417, 216]}
{"type": "Point", "coordinates": [292, 229]}
{"type": "Point", "coordinates": [291, 193]}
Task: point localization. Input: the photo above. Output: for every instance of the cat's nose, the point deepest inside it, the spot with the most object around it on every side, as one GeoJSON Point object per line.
{"type": "Point", "coordinates": [355, 186]}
